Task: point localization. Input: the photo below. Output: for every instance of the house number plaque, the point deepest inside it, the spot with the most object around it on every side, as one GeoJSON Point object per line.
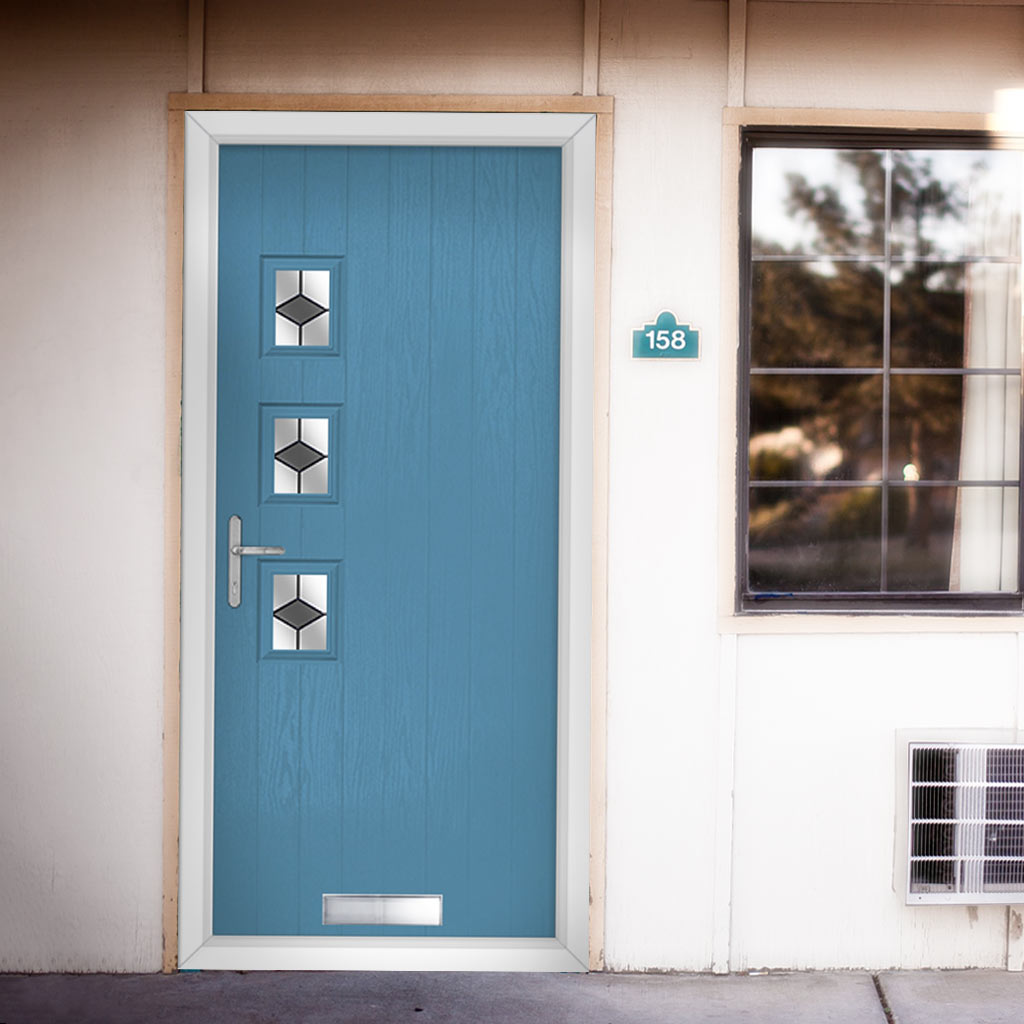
{"type": "Point", "coordinates": [666, 338]}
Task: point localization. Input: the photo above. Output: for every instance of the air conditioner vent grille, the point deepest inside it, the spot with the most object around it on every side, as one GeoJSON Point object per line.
{"type": "Point", "coordinates": [966, 834]}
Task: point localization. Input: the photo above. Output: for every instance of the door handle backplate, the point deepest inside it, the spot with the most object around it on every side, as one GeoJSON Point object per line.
{"type": "Point", "coordinates": [236, 549]}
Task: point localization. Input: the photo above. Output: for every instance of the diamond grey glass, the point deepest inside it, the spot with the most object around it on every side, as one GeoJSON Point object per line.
{"type": "Point", "coordinates": [300, 612]}
{"type": "Point", "coordinates": [302, 308]}
{"type": "Point", "coordinates": [300, 455]}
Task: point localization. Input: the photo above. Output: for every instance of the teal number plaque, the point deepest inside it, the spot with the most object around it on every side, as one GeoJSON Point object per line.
{"type": "Point", "coordinates": [666, 338]}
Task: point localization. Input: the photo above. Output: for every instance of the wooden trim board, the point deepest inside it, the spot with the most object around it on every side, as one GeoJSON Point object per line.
{"type": "Point", "coordinates": [172, 531]}
{"type": "Point", "coordinates": [392, 102]}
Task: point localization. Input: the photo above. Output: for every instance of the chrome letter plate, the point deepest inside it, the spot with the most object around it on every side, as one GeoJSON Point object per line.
{"type": "Point", "coordinates": [359, 908]}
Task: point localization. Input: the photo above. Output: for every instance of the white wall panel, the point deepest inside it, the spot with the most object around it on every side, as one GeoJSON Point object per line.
{"type": "Point", "coordinates": [663, 62]}
{"type": "Point", "coordinates": [82, 130]}
{"type": "Point", "coordinates": [816, 796]}
{"type": "Point", "coordinates": [898, 56]}
{"type": "Point", "coordinates": [462, 46]}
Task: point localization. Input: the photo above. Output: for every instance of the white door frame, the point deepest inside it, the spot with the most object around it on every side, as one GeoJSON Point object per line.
{"type": "Point", "coordinates": [205, 131]}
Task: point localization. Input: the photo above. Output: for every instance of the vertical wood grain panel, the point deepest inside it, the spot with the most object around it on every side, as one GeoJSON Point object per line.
{"type": "Point", "coordinates": [422, 757]}
{"type": "Point", "coordinates": [478, 47]}
{"type": "Point", "coordinates": [195, 65]}
{"type": "Point", "coordinates": [368, 655]}
{"type": "Point", "coordinates": [283, 220]}
{"type": "Point", "coordinates": [452, 342]}
{"type": "Point", "coordinates": [237, 761]}
{"type": "Point", "coordinates": [172, 535]}
{"type": "Point", "coordinates": [535, 583]}
{"type": "Point", "coordinates": [401, 361]}
{"type": "Point", "coordinates": [598, 731]}
{"type": "Point", "coordinates": [322, 805]}
{"type": "Point", "coordinates": [493, 528]}
{"type": "Point", "coordinates": [591, 47]}
{"type": "Point", "coordinates": [321, 826]}
{"type": "Point", "coordinates": [283, 200]}
{"type": "Point", "coordinates": [737, 62]}
{"type": "Point", "coordinates": [277, 854]}
{"type": "Point", "coordinates": [325, 200]}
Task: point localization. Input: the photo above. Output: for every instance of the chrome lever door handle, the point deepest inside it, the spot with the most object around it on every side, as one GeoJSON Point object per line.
{"type": "Point", "coordinates": [236, 549]}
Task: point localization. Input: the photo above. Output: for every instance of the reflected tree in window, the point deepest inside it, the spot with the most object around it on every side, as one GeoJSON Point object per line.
{"type": "Point", "coordinates": [861, 279]}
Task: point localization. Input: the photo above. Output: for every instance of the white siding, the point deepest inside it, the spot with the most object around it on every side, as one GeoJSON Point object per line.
{"type": "Point", "coordinates": [461, 46]}
{"type": "Point", "coordinates": [813, 874]}
{"type": "Point", "coordinates": [902, 56]}
{"type": "Point", "coordinates": [665, 66]}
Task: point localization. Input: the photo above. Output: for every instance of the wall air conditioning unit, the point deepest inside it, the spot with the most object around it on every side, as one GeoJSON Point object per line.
{"type": "Point", "coordinates": [966, 823]}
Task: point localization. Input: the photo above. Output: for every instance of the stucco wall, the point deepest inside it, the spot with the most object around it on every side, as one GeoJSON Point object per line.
{"type": "Point", "coordinates": [803, 861]}
{"type": "Point", "coordinates": [666, 68]}
{"type": "Point", "coordinates": [82, 132]}
{"type": "Point", "coordinates": [465, 46]}
{"type": "Point", "coordinates": [806, 849]}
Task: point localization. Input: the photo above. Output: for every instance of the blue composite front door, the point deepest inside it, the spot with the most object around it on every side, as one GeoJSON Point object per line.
{"type": "Point", "coordinates": [387, 413]}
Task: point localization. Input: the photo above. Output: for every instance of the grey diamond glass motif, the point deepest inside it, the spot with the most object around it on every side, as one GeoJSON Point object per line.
{"type": "Point", "coordinates": [301, 308]}
{"type": "Point", "coordinates": [300, 610]}
{"type": "Point", "coordinates": [300, 455]}
{"type": "Point", "coordinates": [297, 614]}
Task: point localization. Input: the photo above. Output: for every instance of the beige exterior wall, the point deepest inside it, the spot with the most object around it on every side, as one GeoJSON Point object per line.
{"type": "Point", "coordinates": [467, 46]}
{"type": "Point", "coordinates": [666, 69]}
{"type": "Point", "coordinates": [797, 871]}
{"type": "Point", "coordinates": [82, 135]}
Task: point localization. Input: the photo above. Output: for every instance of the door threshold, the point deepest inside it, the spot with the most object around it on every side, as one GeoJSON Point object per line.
{"type": "Point", "coordinates": [380, 953]}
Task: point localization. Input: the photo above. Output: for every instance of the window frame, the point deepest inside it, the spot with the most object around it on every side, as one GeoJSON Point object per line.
{"type": "Point", "coordinates": [822, 135]}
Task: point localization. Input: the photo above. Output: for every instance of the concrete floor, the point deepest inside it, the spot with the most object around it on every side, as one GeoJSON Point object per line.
{"type": "Point", "coordinates": [915, 997]}
{"type": "Point", "coordinates": [413, 998]}
{"type": "Point", "coordinates": [942, 997]}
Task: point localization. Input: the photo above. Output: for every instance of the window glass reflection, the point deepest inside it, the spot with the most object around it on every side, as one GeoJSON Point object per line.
{"type": "Point", "coordinates": [985, 540]}
{"type": "Point", "coordinates": [815, 427]}
{"type": "Point", "coordinates": [815, 539]}
{"type": "Point", "coordinates": [924, 426]}
{"type": "Point", "coordinates": [990, 443]}
{"type": "Point", "coordinates": [927, 315]}
{"type": "Point", "coordinates": [808, 201]}
{"type": "Point", "coordinates": [824, 313]}
{"type": "Point", "coordinates": [952, 203]}
{"type": "Point", "coordinates": [920, 537]}
{"type": "Point", "coordinates": [884, 340]}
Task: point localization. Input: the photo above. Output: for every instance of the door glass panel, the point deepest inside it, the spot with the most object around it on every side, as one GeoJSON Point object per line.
{"type": "Point", "coordinates": [300, 455]}
{"type": "Point", "coordinates": [300, 612]}
{"type": "Point", "coordinates": [302, 307]}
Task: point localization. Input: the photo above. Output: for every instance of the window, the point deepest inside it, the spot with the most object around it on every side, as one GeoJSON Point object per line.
{"type": "Point", "coordinates": [880, 399]}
